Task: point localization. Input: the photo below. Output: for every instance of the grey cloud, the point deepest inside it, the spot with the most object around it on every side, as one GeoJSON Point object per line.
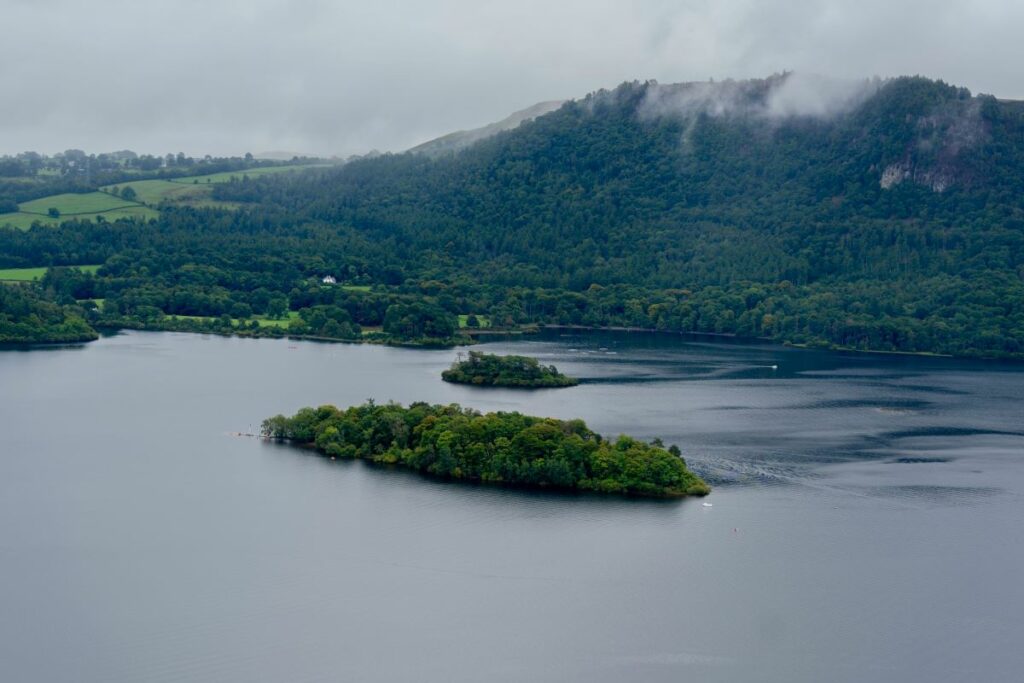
{"type": "Point", "coordinates": [340, 77]}
{"type": "Point", "coordinates": [781, 95]}
{"type": "Point", "coordinates": [801, 94]}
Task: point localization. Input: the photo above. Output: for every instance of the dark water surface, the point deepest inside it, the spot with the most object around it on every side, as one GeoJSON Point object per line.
{"type": "Point", "coordinates": [867, 521]}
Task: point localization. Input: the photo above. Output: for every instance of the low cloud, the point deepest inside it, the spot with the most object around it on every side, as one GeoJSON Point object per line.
{"type": "Point", "coordinates": [348, 76]}
{"type": "Point", "coordinates": [780, 96]}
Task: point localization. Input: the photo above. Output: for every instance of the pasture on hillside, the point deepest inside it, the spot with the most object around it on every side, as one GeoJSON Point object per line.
{"type": "Point", "coordinates": [192, 190]}
{"type": "Point", "coordinates": [30, 274]}
{"type": "Point", "coordinates": [107, 202]}
{"type": "Point", "coordinates": [75, 204]}
{"type": "Point", "coordinates": [226, 176]}
{"type": "Point", "coordinates": [71, 206]}
{"type": "Point", "coordinates": [153, 192]}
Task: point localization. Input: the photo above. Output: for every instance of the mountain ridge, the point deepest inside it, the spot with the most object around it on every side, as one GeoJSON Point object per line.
{"type": "Point", "coordinates": [461, 139]}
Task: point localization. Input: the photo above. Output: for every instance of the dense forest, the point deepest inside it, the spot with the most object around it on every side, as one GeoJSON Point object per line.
{"type": "Point", "coordinates": [894, 222]}
{"type": "Point", "coordinates": [490, 370]}
{"type": "Point", "coordinates": [501, 448]}
{"type": "Point", "coordinates": [26, 317]}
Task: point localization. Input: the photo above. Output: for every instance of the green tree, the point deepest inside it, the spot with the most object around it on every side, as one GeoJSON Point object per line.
{"type": "Point", "coordinates": [277, 307]}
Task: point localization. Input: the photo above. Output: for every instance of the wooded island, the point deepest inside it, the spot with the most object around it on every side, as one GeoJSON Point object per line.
{"type": "Point", "coordinates": [486, 369]}
{"type": "Point", "coordinates": [504, 448]}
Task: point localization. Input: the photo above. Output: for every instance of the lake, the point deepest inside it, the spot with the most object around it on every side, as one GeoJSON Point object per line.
{"type": "Point", "coordinates": [866, 523]}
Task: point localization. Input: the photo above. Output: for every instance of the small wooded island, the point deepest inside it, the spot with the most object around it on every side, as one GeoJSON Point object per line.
{"type": "Point", "coordinates": [503, 448]}
{"type": "Point", "coordinates": [485, 369]}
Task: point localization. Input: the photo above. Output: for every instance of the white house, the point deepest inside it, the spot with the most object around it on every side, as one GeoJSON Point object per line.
{"type": "Point", "coordinates": [329, 280]}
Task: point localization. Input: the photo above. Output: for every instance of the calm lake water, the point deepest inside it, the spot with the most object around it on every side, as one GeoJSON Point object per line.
{"type": "Point", "coordinates": [867, 521]}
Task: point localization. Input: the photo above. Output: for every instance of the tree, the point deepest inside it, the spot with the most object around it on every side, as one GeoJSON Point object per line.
{"type": "Point", "coordinates": [419, 320]}
{"type": "Point", "coordinates": [53, 212]}
{"type": "Point", "coordinates": [128, 193]}
{"type": "Point", "coordinates": [277, 307]}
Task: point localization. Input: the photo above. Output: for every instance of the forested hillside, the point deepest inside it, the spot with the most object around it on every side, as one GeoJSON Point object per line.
{"type": "Point", "coordinates": [880, 215]}
{"type": "Point", "coordinates": [895, 223]}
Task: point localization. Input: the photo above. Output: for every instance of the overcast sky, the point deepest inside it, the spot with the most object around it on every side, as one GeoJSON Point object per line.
{"type": "Point", "coordinates": [342, 77]}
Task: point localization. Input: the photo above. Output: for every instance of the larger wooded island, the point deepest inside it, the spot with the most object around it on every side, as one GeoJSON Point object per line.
{"type": "Point", "coordinates": [506, 448]}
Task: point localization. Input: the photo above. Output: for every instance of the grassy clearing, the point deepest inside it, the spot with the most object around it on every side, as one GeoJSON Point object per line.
{"type": "Point", "coordinates": [30, 274]}
{"type": "Point", "coordinates": [192, 317]}
{"type": "Point", "coordinates": [357, 288]}
{"type": "Point", "coordinates": [156, 191]}
{"type": "Point", "coordinates": [153, 192]}
{"type": "Point", "coordinates": [226, 176]}
{"type": "Point", "coordinates": [71, 205]}
{"type": "Point", "coordinates": [194, 191]}
{"type": "Point", "coordinates": [482, 319]}
{"type": "Point", "coordinates": [263, 321]}
{"type": "Point", "coordinates": [75, 206]}
{"type": "Point", "coordinates": [269, 322]}
{"type": "Point", "coordinates": [100, 303]}
{"type": "Point", "coordinates": [130, 212]}
{"type": "Point", "coordinates": [22, 274]}
{"type": "Point", "coordinates": [24, 221]}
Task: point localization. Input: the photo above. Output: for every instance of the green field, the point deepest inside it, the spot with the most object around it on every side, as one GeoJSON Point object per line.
{"type": "Point", "coordinates": [24, 221]}
{"type": "Point", "coordinates": [29, 274]}
{"type": "Point", "coordinates": [483, 320]}
{"type": "Point", "coordinates": [268, 322]}
{"type": "Point", "coordinates": [129, 212]}
{"type": "Point", "coordinates": [193, 190]}
{"type": "Point", "coordinates": [262, 320]}
{"type": "Point", "coordinates": [252, 173]}
{"type": "Point", "coordinates": [74, 206]}
{"type": "Point", "coordinates": [155, 191]}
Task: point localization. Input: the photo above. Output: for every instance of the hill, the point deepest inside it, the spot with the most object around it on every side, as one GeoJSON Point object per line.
{"type": "Point", "coordinates": [459, 140]}
{"type": "Point", "coordinates": [875, 214]}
